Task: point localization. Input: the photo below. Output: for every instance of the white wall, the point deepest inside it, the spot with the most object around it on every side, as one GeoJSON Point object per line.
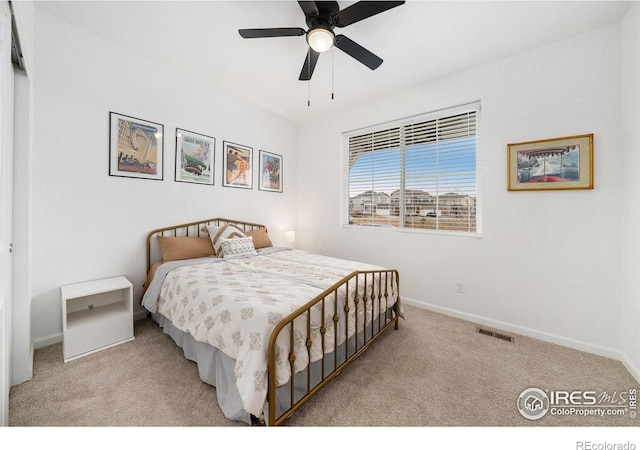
{"type": "Point", "coordinates": [630, 299]}
{"type": "Point", "coordinates": [547, 264]}
{"type": "Point", "coordinates": [87, 224]}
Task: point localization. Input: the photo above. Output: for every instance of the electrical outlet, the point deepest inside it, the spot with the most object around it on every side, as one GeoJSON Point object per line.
{"type": "Point", "coordinates": [459, 287]}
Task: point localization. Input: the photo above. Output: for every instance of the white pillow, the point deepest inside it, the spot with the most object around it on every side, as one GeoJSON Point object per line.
{"type": "Point", "coordinates": [227, 231]}
{"type": "Point", "coordinates": [238, 248]}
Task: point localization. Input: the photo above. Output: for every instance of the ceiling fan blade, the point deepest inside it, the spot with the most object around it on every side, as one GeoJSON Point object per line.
{"type": "Point", "coordinates": [358, 52]}
{"type": "Point", "coordinates": [363, 10]}
{"type": "Point", "coordinates": [250, 33]}
{"type": "Point", "coordinates": [309, 8]}
{"type": "Point", "coordinates": [309, 64]}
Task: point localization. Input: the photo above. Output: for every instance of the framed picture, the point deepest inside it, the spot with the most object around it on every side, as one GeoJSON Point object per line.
{"type": "Point", "coordinates": [195, 157]}
{"type": "Point", "coordinates": [238, 165]}
{"type": "Point", "coordinates": [270, 172]}
{"type": "Point", "coordinates": [136, 147]}
{"type": "Point", "coordinates": [561, 163]}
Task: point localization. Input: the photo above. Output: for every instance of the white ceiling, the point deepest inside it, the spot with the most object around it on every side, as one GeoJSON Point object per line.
{"type": "Point", "coordinates": [418, 41]}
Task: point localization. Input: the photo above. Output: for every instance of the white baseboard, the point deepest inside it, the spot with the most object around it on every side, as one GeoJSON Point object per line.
{"type": "Point", "coordinates": [47, 340]}
{"type": "Point", "coordinates": [524, 331]}
{"type": "Point", "coordinates": [139, 315]}
{"type": "Point", "coordinates": [32, 350]}
{"type": "Point", "coordinates": [633, 369]}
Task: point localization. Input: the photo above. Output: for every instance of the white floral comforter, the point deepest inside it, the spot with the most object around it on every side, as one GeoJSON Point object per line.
{"type": "Point", "coordinates": [234, 306]}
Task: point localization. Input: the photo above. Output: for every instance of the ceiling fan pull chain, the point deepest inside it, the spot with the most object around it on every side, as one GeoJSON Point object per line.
{"type": "Point", "coordinates": [333, 54]}
{"type": "Point", "coordinates": [309, 80]}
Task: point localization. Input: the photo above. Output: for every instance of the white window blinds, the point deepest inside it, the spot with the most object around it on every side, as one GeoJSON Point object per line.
{"type": "Point", "coordinates": [419, 173]}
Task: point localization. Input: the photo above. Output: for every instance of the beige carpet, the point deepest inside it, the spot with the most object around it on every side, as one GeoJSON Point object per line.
{"type": "Point", "coordinates": [434, 371]}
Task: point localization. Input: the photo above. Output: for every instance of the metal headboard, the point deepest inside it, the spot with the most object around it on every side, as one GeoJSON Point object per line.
{"type": "Point", "coordinates": [190, 229]}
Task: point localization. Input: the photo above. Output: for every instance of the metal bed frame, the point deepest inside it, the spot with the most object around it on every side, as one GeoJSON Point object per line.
{"type": "Point", "coordinates": [383, 284]}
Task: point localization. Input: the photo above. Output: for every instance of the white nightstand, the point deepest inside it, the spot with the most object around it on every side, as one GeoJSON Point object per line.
{"type": "Point", "coordinates": [96, 315]}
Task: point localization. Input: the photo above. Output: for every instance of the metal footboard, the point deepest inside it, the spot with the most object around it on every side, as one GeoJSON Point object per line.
{"type": "Point", "coordinates": [370, 295]}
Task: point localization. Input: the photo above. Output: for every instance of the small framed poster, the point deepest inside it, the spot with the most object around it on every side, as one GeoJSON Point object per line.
{"type": "Point", "coordinates": [195, 157]}
{"type": "Point", "coordinates": [136, 147]}
{"type": "Point", "coordinates": [238, 165]}
{"type": "Point", "coordinates": [270, 172]}
{"type": "Point", "coordinates": [548, 164]}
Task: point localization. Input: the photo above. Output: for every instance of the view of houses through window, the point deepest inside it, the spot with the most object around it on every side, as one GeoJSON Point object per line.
{"type": "Point", "coordinates": [421, 174]}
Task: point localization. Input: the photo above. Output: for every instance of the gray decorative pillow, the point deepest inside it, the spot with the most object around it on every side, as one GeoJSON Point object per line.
{"type": "Point", "coordinates": [238, 248]}
{"type": "Point", "coordinates": [227, 231]}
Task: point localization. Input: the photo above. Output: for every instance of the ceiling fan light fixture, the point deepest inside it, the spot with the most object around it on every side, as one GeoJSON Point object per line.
{"type": "Point", "coordinates": [320, 39]}
{"type": "Point", "coordinates": [321, 19]}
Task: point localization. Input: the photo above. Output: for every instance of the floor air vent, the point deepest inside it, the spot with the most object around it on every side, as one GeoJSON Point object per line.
{"type": "Point", "coordinates": [495, 334]}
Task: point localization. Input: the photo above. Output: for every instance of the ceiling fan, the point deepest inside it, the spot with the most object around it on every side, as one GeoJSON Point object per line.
{"type": "Point", "coordinates": [322, 18]}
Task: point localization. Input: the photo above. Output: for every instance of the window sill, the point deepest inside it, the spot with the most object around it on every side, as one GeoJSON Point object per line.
{"type": "Point", "coordinates": [423, 232]}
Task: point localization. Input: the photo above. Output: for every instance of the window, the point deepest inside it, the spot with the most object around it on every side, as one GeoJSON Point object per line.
{"type": "Point", "coordinates": [419, 173]}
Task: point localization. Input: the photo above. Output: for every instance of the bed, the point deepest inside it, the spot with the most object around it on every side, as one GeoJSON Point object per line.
{"type": "Point", "coordinates": [267, 326]}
